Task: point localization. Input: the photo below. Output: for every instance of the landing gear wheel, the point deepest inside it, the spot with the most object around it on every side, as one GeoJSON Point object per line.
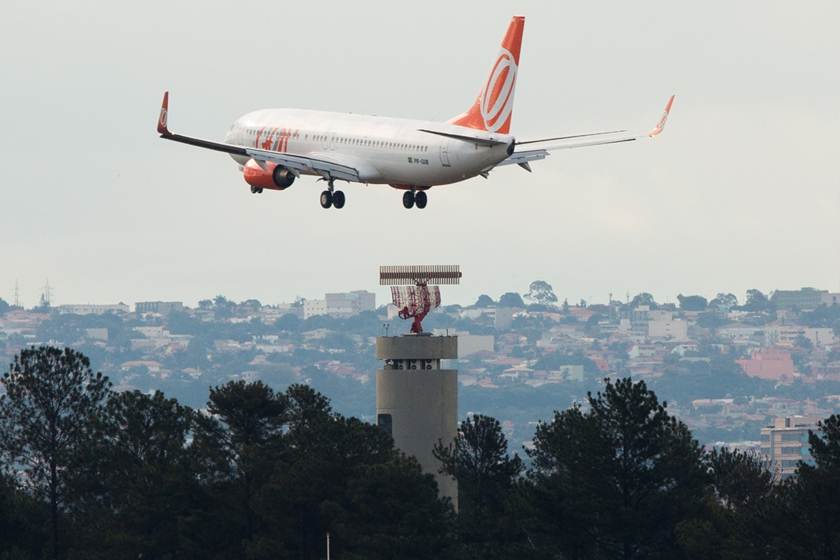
{"type": "Point", "coordinates": [338, 199]}
{"type": "Point", "coordinates": [326, 199]}
{"type": "Point", "coordinates": [259, 190]}
{"type": "Point", "coordinates": [408, 199]}
{"type": "Point", "coordinates": [420, 199]}
{"type": "Point", "coordinates": [253, 189]}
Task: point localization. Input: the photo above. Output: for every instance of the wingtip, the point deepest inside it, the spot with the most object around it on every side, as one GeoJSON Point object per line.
{"type": "Point", "coordinates": [162, 127]}
{"type": "Point", "coordinates": [660, 126]}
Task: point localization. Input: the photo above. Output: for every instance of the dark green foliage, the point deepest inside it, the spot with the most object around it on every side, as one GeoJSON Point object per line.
{"type": "Point", "coordinates": [615, 480]}
{"type": "Point", "coordinates": [757, 301]}
{"type": "Point", "coordinates": [719, 377]}
{"type": "Point", "coordinates": [88, 473]}
{"type": "Point", "coordinates": [724, 302]}
{"type": "Point", "coordinates": [139, 483]}
{"type": "Point", "coordinates": [484, 301]}
{"type": "Point", "coordinates": [823, 316]}
{"type": "Point", "coordinates": [811, 502]}
{"type": "Point", "coordinates": [324, 484]}
{"type": "Point", "coordinates": [478, 459]}
{"type": "Point", "coordinates": [558, 359]}
{"type": "Point", "coordinates": [23, 522]}
{"type": "Point", "coordinates": [541, 292]}
{"type": "Point", "coordinates": [391, 510]}
{"type": "Point", "coordinates": [711, 320]}
{"type": "Point", "coordinates": [747, 516]}
{"type": "Point", "coordinates": [511, 299]}
{"type": "Point", "coordinates": [692, 303]}
{"type": "Point", "coordinates": [730, 524]}
{"type": "Point", "coordinates": [643, 299]}
{"type": "Point", "coordinates": [738, 478]}
{"type": "Point", "coordinates": [237, 446]}
{"type": "Point", "coordinates": [52, 402]}
{"type": "Point", "coordinates": [4, 307]}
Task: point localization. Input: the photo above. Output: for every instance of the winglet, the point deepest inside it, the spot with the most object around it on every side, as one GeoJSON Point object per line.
{"type": "Point", "coordinates": [164, 115]}
{"type": "Point", "coordinates": [660, 126]}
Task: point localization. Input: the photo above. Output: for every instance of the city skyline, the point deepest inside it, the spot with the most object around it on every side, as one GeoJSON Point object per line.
{"type": "Point", "coordinates": [383, 295]}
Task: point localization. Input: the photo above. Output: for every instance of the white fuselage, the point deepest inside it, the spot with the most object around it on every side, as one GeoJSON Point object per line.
{"type": "Point", "coordinates": [384, 150]}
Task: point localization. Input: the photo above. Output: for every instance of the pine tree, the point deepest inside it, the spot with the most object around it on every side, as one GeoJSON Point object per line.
{"type": "Point", "coordinates": [615, 480]}
{"type": "Point", "coordinates": [478, 459]}
{"type": "Point", "coordinates": [53, 400]}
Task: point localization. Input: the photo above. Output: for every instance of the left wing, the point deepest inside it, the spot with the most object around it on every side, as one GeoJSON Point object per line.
{"type": "Point", "coordinates": [296, 163]}
{"type": "Point", "coordinates": [523, 158]}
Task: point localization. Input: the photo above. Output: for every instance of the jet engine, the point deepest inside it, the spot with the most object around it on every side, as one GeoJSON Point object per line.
{"type": "Point", "coordinates": [274, 176]}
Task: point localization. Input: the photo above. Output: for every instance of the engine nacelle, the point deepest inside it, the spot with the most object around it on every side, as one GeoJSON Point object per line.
{"type": "Point", "coordinates": [282, 177]}
{"type": "Point", "coordinates": [274, 176]}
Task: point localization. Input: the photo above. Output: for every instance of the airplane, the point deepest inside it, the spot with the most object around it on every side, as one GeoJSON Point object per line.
{"type": "Point", "coordinates": [274, 147]}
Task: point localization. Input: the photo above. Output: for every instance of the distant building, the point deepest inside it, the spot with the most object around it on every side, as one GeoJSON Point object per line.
{"type": "Point", "coordinates": [350, 303]}
{"type": "Point", "coordinates": [676, 329]}
{"type": "Point", "coordinates": [805, 298]}
{"type": "Point", "coordinates": [503, 319]}
{"type": "Point", "coordinates": [313, 307]}
{"type": "Point", "coordinates": [268, 314]}
{"type": "Point", "coordinates": [785, 442]}
{"type": "Point", "coordinates": [94, 309]}
{"type": "Point", "coordinates": [642, 351]}
{"type": "Point", "coordinates": [160, 307]}
{"type": "Point", "coordinates": [789, 335]}
{"type": "Point", "coordinates": [770, 363]}
{"type": "Point", "coordinates": [566, 373]}
{"type": "Point", "coordinates": [831, 299]}
{"type": "Point", "coordinates": [469, 344]}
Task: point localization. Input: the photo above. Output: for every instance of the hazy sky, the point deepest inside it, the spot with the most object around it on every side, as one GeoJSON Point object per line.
{"type": "Point", "coordinates": [742, 191]}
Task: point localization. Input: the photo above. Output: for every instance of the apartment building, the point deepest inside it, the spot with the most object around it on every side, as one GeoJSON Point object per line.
{"type": "Point", "coordinates": [785, 442]}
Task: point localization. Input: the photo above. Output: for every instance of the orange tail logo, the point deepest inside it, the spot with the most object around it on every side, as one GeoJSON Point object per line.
{"type": "Point", "coordinates": [493, 109]}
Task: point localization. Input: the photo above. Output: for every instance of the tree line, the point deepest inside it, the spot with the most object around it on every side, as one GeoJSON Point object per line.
{"type": "Point", "coordinates": [88, 472]}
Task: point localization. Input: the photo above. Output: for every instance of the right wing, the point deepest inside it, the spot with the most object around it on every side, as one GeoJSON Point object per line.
{"type": "Point", "coordinates": [296, 163]}
{"type": "Point", "coordinates": [524, 157]}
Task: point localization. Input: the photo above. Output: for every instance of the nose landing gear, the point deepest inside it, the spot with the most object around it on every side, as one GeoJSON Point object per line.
{"type": "Point", "coordinates": [256, 190]}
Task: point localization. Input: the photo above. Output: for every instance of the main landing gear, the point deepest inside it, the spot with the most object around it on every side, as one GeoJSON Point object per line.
{"type": "Point", "coordinates": [256, 190]}
{"type": "Point", "coordinates": [332, 197]}
{"type": "Point", "coordinates": [415, 198]}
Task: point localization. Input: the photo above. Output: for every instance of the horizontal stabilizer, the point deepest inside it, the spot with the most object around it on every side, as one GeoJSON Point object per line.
{"type": "Point", "coordinates": [569, 137]}
{"type": "Point", "coordinates": [522, 157]}
{"type": "Point", "coordinates": [465, 138]}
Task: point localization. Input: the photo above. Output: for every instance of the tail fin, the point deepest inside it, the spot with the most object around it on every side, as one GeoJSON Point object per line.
{"type": "Point", "coordinates": [493, 109]}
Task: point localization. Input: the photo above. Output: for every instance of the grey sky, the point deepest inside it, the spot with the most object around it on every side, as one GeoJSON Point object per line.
{"type": "Point", "coordinates": [742, 191]}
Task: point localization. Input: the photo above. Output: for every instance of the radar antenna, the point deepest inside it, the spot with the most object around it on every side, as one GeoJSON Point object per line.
{"type": "Point", "coordinates": [411, 292]}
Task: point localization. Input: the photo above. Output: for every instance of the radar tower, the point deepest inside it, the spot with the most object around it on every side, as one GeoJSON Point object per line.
{"type": "Point", "coordinates": [411, 292]}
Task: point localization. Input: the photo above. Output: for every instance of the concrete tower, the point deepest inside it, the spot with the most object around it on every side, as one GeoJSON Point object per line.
{"type": "Point", "coordinates": [417, 401]}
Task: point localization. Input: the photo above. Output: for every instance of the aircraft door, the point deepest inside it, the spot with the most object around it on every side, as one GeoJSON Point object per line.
{"type": "Point", "coordinates": [444, 155]}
